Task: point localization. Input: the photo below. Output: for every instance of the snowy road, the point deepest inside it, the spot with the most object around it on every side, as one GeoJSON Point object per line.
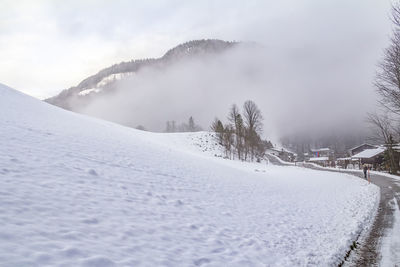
{"type": "Point", "coordinates": [381, 247]}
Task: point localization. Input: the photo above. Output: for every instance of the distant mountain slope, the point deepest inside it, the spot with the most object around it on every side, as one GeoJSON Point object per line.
{"type": "Point", "coordinates": [103, 81]}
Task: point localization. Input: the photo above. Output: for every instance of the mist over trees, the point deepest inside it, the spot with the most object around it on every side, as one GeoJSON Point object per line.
{"type": "Point", "coordinates": [241, 136]}
{"type": "Point", "coordinates": [340, 142]}
{"type": "Point", "coordinates": [190, 126]}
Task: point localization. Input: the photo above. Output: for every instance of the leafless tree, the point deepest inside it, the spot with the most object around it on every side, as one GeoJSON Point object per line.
{"type": "Point", "coordinates": [253, 122]}
{"type": "Point", "coordinates": [228, 140]}
{"type": "Point", "coordinates": [387, 82]}
{"type": "Point", "coordinates": [387, 79]}
{"type": "Point", "coordinates": [242, 136]}
{"type": "Point", "coordinates": [237, 123]}
{"type": "Point", "coordinates": [384, 132]}
{"type": "Point", "coordinates": [383, 128]}
{"type": "Point", "coordinates": [233, 113]}
{"type": "Point", "coordinates": [252, 116]}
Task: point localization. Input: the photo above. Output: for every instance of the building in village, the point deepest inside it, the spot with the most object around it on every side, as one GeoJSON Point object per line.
{"type": "Point", "coordinates": [322, 156]}
{"type": "Point", "coordinates": [348, 162]}
{"type": "Point", "coordinates": [373, 157]}
{"type": "Point", "coordinates": [360, 148]}
{"type": "Point", "coordinates": [282, 153]}
{"type": "Point", "coordinates": [273, 151]}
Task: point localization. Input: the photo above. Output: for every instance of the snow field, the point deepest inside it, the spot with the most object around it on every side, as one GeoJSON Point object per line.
{"type": "Point", "coordinates": [77, 191]}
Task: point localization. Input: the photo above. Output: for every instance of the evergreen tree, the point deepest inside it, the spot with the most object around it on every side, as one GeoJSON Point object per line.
{"type": "Point", "coordinates": [191, 125]}
{"type": "Point", "coordinates": [218, 127]}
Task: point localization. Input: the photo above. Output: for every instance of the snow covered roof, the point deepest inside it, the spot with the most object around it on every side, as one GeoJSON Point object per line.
{"type": "Point", "coordinates": [274, 149]}
{"type": "Point", "coordinates": [282, 149]}
{"type": "Point", "coordinates": [348, 158]}
{"type": "Point", "coordinates": [369, 153]}
{"type": "Point", "coordinates": [365, 144]}
{"type": "Point", "coordinates": [320, 149]}
{"type": "Point", "coordinates": [319, 159]}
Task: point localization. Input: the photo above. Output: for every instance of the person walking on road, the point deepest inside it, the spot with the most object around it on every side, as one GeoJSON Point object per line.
{"type": "Point", "coordinates": [365, 168]}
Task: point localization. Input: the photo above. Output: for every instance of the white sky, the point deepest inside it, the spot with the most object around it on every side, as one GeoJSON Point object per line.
{"type": "Point", "coordinates": [50, 45]}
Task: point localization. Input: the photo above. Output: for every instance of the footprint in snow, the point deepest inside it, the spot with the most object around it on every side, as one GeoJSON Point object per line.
{"type": "Point", "coordinates": [91, 221]}
{"type": "Point", "coordinates": [217, 250]}
{"type": "Point", "coordinates": [98, 261]}
{"type": "Point", "coordinates": [178, 203]}
{"type": "Point", "coordinates": [201, 261]}
{"type": "Point", "coordinates": [72, 253]}
{"type": "Point", "coordinates": [92, 172]}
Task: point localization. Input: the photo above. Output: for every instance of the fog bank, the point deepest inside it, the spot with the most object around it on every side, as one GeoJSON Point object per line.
{"type": "Point", "coordinates": [302, 91]}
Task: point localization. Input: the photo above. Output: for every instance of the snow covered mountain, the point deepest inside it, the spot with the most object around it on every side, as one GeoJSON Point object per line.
{"type": "Point", "coordinates": [75, 98]}
{"type": "Point", "coordinates": [78, 191]}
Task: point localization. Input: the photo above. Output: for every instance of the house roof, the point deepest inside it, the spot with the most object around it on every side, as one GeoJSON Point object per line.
{"type": "Point", "coordinates": [348, 158]}
{"type": "Point", "coordinates": [351, 149]}
{"type": "Point", "coordinates": [320, 149]}
{"type": "Point", "coordinates": [369, 153]}
{"type": "Point", "coordinates": [319, 159]}
{"type": "Point", "coordinates": [282, 149]}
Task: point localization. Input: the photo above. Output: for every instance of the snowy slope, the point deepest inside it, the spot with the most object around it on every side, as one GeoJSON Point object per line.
{"type": "Point", "coordinates": [76, 191]}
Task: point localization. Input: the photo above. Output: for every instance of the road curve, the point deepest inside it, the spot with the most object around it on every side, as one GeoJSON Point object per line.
{"type": "Point", "coordinates": [368, 253]}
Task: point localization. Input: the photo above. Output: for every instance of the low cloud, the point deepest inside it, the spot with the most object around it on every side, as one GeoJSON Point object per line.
{"type": "Point", "coordinates": [295, 92]}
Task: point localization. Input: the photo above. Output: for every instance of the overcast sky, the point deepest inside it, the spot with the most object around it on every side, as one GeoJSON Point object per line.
{"type": "Point", "coordinates": [50, 45]}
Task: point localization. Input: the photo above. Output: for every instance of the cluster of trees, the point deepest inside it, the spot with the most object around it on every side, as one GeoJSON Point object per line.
{"type": "Point", "coordinates": [241, 135]}
{"type": "Point", "coordinates": [190, 126]}
{"type": "Point", "coordinates": [387, 83]}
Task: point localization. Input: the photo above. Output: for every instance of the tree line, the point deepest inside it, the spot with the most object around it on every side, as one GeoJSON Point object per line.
{"type": "Point", "coordinates": [241, 136]}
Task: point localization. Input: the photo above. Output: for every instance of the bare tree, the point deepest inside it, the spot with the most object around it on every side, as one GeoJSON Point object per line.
{"type": "Point", "coordinates": [235, 135]}
{"type": "Point", "coordinates": [228, 140]}
{"type": "Point", "coordinates": [387, 82]}
{"type": "Point", "coordinates": [384, 132]}
{"type": "Point", "coordinates": [387, 79]}
{"type": "Point", "coordinates": [239, 130]}
{"type": "Point", "coordinates": [233, 113]}
{"type": "Point", "coordinates": [383, 128]}
{"type": "Point", "coordinates": [173, 126]}
{"type": "Point", "coordinates": [252, 116]}
{"type": "Point", "coordinates": [237, 122]}
{"type": "Point", "coordinates": [168, 128]}
{"type": "Point", "coordinates": [253, 122]}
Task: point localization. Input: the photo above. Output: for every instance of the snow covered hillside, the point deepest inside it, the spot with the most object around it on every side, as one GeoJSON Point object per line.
{"type": "Point", "coordinates": [77, 191]}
